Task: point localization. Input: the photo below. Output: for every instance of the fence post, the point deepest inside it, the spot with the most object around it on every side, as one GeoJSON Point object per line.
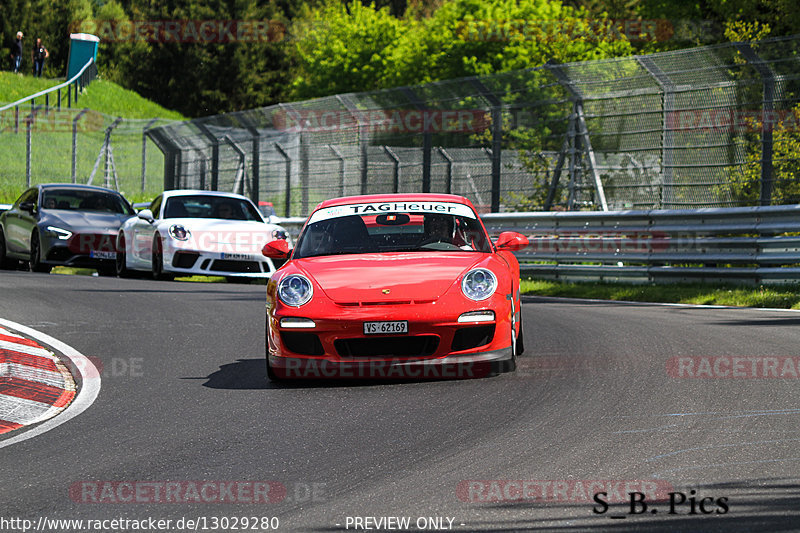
{"type": "Point", "coordinates": [668, 133]}
{"type": "Point", "coordinates": [241, 177]}
{"type": "Point", "coordinates": [363, 137]}
{"type": "Point", "coordinates": [214, 154]}
{"type": "Point", "coordinates": [75, 145]}
{"type": "Point", "coordinates": [497, 139]}
{"type": "Point", "coordinates": [427, 139]}
{"type": "Point", "coordinates": [767, 106]}
{"type": "Point", "coordinates": [446, 156]}
{"type": "Point", "coordinates": [288, 197]}
{"type": "Point", "coordinates": [29, 128]}
{"type": "Point", "coordinates": [395, 170]}
{"type": "Point", "coordinates": [342, 168]}
{"type": "Point", "coordinates": [579, 131]}
{"type": "Point", "coordinates": [255, 160]}
{"type": "Point", "coordinates": [144, 152]}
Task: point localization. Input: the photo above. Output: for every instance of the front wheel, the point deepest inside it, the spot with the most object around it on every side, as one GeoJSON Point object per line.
{"type": "Point", "coordinates": [158, 261]}
{"type": "Point", "coordinates": [36, 255]}
{"type": "Point", "coordinates": [5, 262]}
{"type": "Point", "coordinates": [120, 263]}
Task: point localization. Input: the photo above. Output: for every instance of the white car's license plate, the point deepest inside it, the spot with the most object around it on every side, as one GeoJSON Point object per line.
{"type": "Point", "coordinates": [226, 255]}
{"type": "Point", "coordinates": [378, 328]}
{"type": "Point", "coordinates": [102, 255]}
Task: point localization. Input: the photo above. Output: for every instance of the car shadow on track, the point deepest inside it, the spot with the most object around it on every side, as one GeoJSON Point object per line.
{"type": "Point", "coordinates": [249, 374]}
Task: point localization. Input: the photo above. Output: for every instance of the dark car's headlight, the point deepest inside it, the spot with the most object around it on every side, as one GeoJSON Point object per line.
{"type": "Point", "coordinates": [57, 233]}
{"type": "Point", "coordinates": [295, 290]}
{"type": "Point", "coordinates": [179, 233]}
{"type": "Point", "coordinates": [479, 284]}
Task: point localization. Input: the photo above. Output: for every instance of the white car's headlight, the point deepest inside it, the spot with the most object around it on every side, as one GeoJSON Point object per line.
{"type": "Point", "coordinates": [179, 233]}
{"type": "Point", "coordinates": [479, 284]}
{"type": "Point", "coordinates": [58, 233]}
{"type": "Point", "coordinates": [295, 290]}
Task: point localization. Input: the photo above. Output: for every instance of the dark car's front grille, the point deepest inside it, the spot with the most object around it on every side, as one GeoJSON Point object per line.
{"type": "Point", "coordinates": [225, 265]}
{"type": "Point", "coordinates": [417, 346]}
{"type": "Point", "coordinates": [472, 337]}
{"type": "Point", "coordinates": [302, 343]}
{"type": "Point", "coordinates": [184, 259]}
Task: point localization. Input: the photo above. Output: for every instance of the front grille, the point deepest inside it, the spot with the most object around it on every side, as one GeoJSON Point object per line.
{"type": "Point", "coordinates": [417, 346]}
{"type": "Point", "coordinates": [302, 343]}
{"type": "Point", "coordinates": [184, 259]}
{"type": "Point", "coordinates": [226, 265]}
{"type": "Point", "coordinates": [472, 337]}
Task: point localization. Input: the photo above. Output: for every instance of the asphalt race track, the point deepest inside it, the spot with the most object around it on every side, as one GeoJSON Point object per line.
{"type": "Point", "coordinates": [600, 402]}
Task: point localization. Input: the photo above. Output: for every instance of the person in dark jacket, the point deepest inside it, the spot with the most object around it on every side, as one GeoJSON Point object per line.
{"type": "Point", "coordinates": [39, 54]}
{"type": "Point", "coordinates": [16, 52]}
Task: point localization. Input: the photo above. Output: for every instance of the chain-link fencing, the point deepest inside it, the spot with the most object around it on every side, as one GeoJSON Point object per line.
{"type": "Point", "coordinates": [715, 126]}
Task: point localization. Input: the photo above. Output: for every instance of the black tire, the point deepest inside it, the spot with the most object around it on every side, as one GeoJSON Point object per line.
{"type": "Point", "coordinates": [5, 262]}
{"type": "Point", "coordinates": [35, 260]}
{"type": "Point", "coordinates": [107, 270]}
{"type": "Point", "coordinates": [520, 338]}
{"type": "Point", "coordinates": [158, 261]}
{"type": "Point", "coordinates": [120, 269]}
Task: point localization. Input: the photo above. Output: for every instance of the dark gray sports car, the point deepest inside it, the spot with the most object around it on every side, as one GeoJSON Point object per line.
{"type": "Point", "coordinates": [60, 224]}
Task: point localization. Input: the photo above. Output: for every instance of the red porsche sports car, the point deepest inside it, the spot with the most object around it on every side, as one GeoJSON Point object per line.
{"type": "Point", "coordinates": [394, 286]}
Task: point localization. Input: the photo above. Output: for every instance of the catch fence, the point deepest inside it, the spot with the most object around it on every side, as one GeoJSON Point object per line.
{"type": "Point", "coordinates": [715, 126]}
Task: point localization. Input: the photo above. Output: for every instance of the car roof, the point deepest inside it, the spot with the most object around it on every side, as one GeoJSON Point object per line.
{"type": "Point", "coordinates": [408, 197]}
{"type": "Point", "coordinates": [199, 192]}
{"type": "Point", "coordinates": [75, 187]}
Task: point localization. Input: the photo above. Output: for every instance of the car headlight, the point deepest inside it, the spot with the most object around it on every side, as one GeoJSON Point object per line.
{"type": "Point", "coordinates": [479, 284]}
{"type": "Point", "coordinates": [295, 290]}
{"type": "Point", "coordinates": [179, 233]}
{"type": "Point", "coordinates": [58, 233]}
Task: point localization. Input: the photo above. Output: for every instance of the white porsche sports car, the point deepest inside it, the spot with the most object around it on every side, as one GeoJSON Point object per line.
{"type": "Point", "coordinates": [188, 232]}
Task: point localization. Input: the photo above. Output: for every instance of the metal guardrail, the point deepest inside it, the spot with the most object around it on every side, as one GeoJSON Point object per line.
{"type": "Point", "coordinates": [735, 245]}
{"type": "Point", "coordinates": [79, 80]}
{"type": "Point", "coordinates": [740, 245]}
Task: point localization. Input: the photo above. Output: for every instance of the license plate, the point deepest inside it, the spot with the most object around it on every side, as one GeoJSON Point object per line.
{"type": "Point", "coordinates": [102, 255]}
{"type": "Point", "coordinates": [379, 328]}
{"type": "Point", "coordinates": [235, 256]}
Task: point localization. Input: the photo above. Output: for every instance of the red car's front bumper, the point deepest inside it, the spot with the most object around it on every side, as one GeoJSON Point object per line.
{"type": "Point", "coordinates": [437, 344]}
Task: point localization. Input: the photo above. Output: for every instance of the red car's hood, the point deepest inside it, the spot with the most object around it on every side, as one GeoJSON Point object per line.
{"type": "Point", "coordinates": [418, 276]}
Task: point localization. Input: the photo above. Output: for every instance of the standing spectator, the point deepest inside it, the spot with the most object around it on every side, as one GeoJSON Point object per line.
{"type": "Point", "coordinates": [16, 52]}
{"type": "Point", "coordinates": [39, 54]}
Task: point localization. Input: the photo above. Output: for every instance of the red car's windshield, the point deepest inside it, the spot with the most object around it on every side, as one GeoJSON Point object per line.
{"type": "Point", "coordinates": [392, 232]}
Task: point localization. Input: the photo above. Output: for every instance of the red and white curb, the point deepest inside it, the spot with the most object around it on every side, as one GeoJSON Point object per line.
{"type": "Point", "coordinates": [35, 385]}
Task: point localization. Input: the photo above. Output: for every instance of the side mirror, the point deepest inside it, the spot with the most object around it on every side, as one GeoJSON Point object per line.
{"type": "Point", "coordinates": [277, 249]}
{"type": "Point", "coordinates": [147, 215]}
{"type": "Point", "coordinates": [511, 241]}
{"type": "Point", "coordinates": [28, 206]}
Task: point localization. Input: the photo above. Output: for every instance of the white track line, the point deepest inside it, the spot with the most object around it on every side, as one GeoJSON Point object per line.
{"type": "Point", "coordinates": [90, 386]}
